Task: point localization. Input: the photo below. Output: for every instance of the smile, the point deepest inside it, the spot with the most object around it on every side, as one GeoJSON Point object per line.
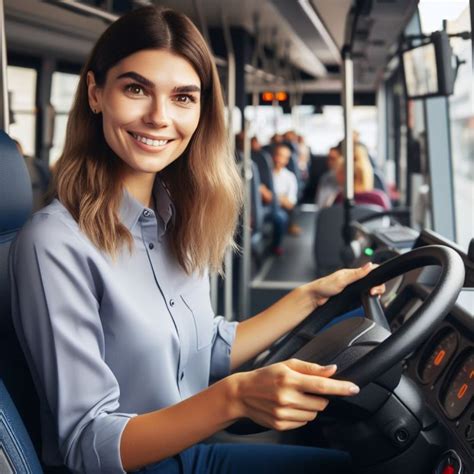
{"type": "Point", "coordinates": [149, 141]}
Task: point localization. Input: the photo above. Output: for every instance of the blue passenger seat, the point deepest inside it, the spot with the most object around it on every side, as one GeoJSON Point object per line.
{"type": "Point", "coordinates": [18, 399]}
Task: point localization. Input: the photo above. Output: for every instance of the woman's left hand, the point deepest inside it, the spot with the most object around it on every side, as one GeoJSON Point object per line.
{"type": "Point", "coordinates": [323, 288]}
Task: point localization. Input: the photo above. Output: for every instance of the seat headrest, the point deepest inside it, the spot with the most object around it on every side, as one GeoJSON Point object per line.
{"type": "Point", "coordinates": [15, 187]}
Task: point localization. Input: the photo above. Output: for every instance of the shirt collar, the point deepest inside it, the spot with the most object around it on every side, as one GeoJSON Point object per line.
{"type": "Point", "coordinates": [131, 209]}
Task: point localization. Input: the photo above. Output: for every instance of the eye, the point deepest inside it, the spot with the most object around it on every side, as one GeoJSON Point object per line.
{"type": "Point", "coordinates": [185, 99]}
{"type": "Point", "coordinates": [134, 89]}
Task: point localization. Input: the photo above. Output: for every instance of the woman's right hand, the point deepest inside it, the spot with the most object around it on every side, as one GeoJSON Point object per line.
{"type": "Point", "coordinates": [288, 394]}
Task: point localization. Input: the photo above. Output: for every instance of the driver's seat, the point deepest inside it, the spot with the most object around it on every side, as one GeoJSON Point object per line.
{"type": "Point", "coordinates": [17, 453]}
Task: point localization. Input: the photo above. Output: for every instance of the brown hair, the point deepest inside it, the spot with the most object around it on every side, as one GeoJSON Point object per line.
{"type": "Point", "coordinates": [204, 182]}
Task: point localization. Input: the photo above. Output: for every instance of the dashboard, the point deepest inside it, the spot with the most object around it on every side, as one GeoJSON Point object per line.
{"type": "Point", "coordinates": [443, 368]}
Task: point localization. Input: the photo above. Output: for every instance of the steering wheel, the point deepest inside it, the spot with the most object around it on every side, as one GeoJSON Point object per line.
{"type": "Point", "coordinates": [382, 349]}
{"type": "Point", "coordinates": [364, 349]}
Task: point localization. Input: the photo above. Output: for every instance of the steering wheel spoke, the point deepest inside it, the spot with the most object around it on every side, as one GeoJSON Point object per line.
{"type": "Point", "coordinates": [374, 311]}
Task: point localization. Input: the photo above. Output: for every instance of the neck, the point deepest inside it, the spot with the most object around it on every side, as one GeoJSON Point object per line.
{"type": "Point", "coordinates": [140, 186]}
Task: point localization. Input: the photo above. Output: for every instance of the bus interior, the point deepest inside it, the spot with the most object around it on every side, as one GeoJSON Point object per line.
{"type": "Point", "coordinates": [391, 78]}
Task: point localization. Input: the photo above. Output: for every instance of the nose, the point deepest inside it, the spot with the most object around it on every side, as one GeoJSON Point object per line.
{"type": "Point", "coordinates": [157, 114]}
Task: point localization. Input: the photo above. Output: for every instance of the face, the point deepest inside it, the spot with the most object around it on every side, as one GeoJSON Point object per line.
{"type": "Point", "coordinates": [150, 106]}
{"type": "Point", "coordinates": [281, 157]}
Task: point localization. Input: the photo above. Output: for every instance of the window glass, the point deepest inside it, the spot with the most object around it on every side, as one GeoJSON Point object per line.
{"type": "Point", "coordinates": [321, 130]}
{"type": "Point", "coordinates": [22, 95]}
{"type": "Point", "coordinates": [62, 96]}
{"type": "Point", "coordinates": [461, 115]}
{"type": "Point", "coordinates": [461, 108]}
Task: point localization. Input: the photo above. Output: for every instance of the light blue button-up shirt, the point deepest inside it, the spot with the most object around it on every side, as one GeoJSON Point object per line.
{"type": "Point", "coordinates": [106, 339]}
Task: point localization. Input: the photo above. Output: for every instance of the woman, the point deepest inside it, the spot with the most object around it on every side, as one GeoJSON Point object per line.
{"type": "Point", "coordinates": [110, 284]}
{"type": "Point", "coordinates": [364, 191]}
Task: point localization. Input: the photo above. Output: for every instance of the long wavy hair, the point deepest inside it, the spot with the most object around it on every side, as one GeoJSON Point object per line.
{"type": "Point", "coordinates": [204, 182]}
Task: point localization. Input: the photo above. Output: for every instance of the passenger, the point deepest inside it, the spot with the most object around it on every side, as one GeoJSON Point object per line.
{"type": "Point", "coordinates": [304, 156]}
{"type": "Point", "coordinates": [276, 139]}
{"type": "Point", "coordinates": [286, 189]}
{"type": "Point", "coordinates": [363, 172]}
{"type": "Point", "coordinates": [328, 186]}
{"type": "Point", "coordinates": [110, 281]}
{"type": "Point", "coordinates": [364, 192]}
{"type": "Point", "coordinates": [255, 144]}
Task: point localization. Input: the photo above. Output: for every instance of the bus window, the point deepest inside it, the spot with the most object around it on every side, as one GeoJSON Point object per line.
{"type": "Point", "coordinates": [321, 130]}
{"type": "Point", "coordinates": [22, 91]}
{"type": "Point", "coordinates": [461, 111]}
{"type": "Point", "coordinates": [62, 95]}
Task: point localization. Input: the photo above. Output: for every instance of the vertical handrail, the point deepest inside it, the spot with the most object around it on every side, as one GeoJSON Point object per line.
{"type": "Point", "coordinates": [245, 261]}
{"type": "Point", "coordinates": [231, 91]}
{"type": "Point", "coordinates": [347, 103]}
{"type": "Point", "coordinates": [4, 109]}
{"type": "Point", "coordinates": [348, 147]}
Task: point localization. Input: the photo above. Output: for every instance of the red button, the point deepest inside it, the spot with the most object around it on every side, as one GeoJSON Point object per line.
{"type": "Point", "coordinates": [448, 470]}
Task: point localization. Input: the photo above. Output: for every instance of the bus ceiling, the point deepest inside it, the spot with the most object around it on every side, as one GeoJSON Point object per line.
{"type": "Point", "coordinates": [301, 39]}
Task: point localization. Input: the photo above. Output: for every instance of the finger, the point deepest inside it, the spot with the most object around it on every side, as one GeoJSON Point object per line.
{"type": "Point", "coordinates": [350, 275]}
{"type": "Point", "coordinates": [288, 425]}
{"type": "Point", "coordinates": [273, 413]}
{"type": "Point", "coordinates": [328, 386]}
{"type": "Point", "coordinates": [311, 368]}
{"type": "Point", "coordinates": [305, 401]}
{"type": "Point", "coordinates": [378, 290]}
{"type": "Point", "coordinates": [290, 414]}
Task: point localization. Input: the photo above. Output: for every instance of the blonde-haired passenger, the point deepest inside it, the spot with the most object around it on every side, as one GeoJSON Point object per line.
{"type": "Point", "coordinates": [364, 192]}
{"type": "Point", "coordinates": [363, 172]}
{"type": "Point", "coordinates": [110, 287]}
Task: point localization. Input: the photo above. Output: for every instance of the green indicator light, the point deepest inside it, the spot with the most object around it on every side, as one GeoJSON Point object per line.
{"type": "Point", "coordinates": [368, 251]}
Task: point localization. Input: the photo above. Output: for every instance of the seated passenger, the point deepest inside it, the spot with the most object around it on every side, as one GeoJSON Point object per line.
{"type": "Point", "coordinates": [328, 186]}
{"type": "Point", "coordinates": [364, 192]}
{"type": "Point", "coordinates": [286, 190]}
{"type": "Point", "coordinates": [110, 287]}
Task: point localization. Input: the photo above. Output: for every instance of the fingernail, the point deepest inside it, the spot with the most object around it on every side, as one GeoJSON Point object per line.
{"type": "Point", "coordinates": [354, 389]}
{"type": "Point", "coordinates": [367, 265]}
{"type": "Point", "coordinates": [330, 367]}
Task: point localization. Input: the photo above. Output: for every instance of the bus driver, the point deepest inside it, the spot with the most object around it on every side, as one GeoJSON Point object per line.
{"type": "Point", "coordinates": [110, 280]}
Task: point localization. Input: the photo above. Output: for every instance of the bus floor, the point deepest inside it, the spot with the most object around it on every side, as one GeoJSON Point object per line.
{"type": "Point", "coordinates": [278, 275]}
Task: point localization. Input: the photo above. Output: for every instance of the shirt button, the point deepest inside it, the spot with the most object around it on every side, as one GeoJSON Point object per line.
{"type": "Point", "coordinates": [181, 376]}
{"type": "Point", "coordinates": [146, 213]}
{"type": "Point", "coordinates": [151, 246]}
{"type": "Point", "coordinates": [171, 302]}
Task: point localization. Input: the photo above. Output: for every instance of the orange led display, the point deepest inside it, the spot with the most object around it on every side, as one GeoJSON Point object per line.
{"type": "Point", "coordinates": [281, 96]}
{"type": "Point", "coordinates": [439, 358]}
{"type": "Point", "coordinates": [267, 96]}
{"type": "Point", "coordinates": [462, 391]}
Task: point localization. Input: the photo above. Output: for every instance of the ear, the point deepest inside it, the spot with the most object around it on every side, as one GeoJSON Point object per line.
{"type": "Point", "coordinates": [94, 93]}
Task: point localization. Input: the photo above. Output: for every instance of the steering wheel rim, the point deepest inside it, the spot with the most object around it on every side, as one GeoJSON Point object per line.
{"type": "Point", "coordinates": [393, 349]}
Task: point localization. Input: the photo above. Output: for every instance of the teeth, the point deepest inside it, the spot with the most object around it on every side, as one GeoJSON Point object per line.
{"type": "Point", "coordinates": [149, 141]}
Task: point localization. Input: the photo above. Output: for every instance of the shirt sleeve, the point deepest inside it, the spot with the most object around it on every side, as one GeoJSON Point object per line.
{"type": "Point", "coordinates": [292, 187]}
{"type": "Point", "coordinates": [55, 307]}
{"type": "Point", "coordinates": [222, 341]}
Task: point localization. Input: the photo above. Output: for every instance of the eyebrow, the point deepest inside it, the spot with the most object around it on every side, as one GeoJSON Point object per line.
{"type": "Point", "coordinates": [147, 83]}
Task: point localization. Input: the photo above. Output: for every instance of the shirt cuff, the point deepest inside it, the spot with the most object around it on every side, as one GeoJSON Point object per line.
{"type": "Point", "coordinates": [103, 435]}
{"type": "Point", "coordinates": [224, 336]}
